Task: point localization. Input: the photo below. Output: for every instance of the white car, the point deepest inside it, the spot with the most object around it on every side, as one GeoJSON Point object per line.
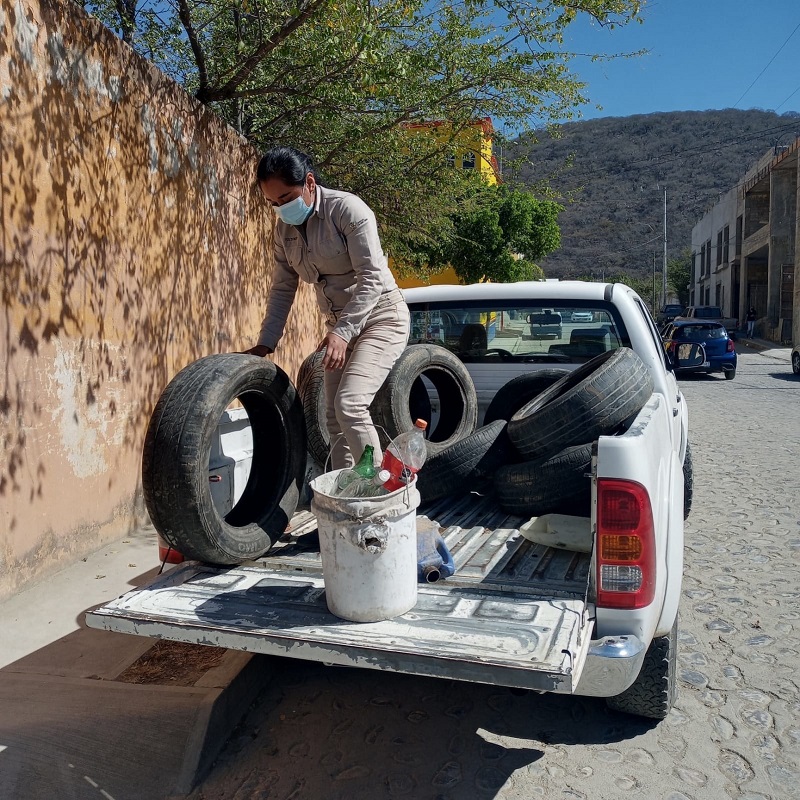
{"type": "Point", "coordinates": [582, 316]}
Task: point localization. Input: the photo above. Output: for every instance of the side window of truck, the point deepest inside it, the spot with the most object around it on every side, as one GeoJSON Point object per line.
{"type": "Point", "coordinates": [651, 326]}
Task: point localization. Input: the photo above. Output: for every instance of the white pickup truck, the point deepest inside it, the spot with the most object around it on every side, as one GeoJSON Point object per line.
{"type": "Point", "coordinates": [600, 621]}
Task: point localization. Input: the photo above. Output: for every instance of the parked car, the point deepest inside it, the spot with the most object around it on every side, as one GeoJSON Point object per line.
{"type": "Point", "coordinates": [796, 359]}
{"type": "Point", "coordinates": [545, 324]}
{"type": "Point", "coordinates": [713, 336]}
{"type": "Point", "coordinates": [668, 313]}
{"type": "Point", "coordinates": [708, 314]}
{"type": "Point", "coordinates": [582, 316]}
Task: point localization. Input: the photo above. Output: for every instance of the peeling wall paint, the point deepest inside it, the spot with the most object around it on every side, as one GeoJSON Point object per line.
{"type": "Point", "coordinates": [133, 241]}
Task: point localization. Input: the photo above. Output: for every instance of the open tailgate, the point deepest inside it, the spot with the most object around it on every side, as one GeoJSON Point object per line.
{"type": "Point", "coordinates": [514, 614]}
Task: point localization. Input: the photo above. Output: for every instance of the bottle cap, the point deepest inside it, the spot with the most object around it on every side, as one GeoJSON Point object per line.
{"type": "Point", "coordinates": [382, 476]}
{"type": "Point", "coordinates": [421, 423]}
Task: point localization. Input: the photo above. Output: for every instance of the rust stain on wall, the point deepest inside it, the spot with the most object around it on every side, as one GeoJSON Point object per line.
{"type": "Point", "coordinates": [133, 242]}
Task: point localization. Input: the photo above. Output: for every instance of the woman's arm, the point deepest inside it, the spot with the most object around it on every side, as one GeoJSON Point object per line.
{"type": "Point", "coordinates": [281, 297]}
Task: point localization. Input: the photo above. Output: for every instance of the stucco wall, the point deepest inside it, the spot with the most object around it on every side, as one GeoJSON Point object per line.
{"type": "Point", "coordinates": [133, 242]}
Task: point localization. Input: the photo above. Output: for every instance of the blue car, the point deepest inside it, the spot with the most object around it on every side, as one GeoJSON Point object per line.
{"type": "Point", "coordinates": [718, 345]}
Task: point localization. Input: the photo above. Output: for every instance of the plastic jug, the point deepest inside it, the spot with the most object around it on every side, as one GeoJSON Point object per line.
{"type": "Point", "coordinates": [434, 560]}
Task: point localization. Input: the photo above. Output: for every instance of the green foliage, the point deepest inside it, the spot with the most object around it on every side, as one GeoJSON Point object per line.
{"type": "Point", "coordinates": [679, 275]}
{"type": "Point", "coordinates": [498, 234]}
{"type": "Point", "coordinates": [341, 79]}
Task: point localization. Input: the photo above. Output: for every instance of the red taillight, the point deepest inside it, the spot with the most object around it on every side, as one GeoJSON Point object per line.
{"type": "Point", "coordinates": [731, 346]}
{"type": "Point", "coordinates": [168, 554]}
{"type": "Point", "coordinates": [626, 547]}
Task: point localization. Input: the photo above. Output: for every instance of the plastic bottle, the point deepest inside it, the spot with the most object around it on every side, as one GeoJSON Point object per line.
{"type": "Point", "coordinates": [405, 456]}
{"type": "Point", "coordinates": [367, 487]}
{"type": "Point", "coordinates": [434, 560]}
{"type": "Point", "coordinates": [365, 469]}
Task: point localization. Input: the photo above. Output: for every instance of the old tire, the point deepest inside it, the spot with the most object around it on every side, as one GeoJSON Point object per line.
{"type": "Point", "coordinates": [468, 465]}
{"type": "Point", "coordinates": [654, 690]}
{"type": "Point", "coordinates": [392, 407]}
{"type": "Point", "coordinates": [688, 482]}
{"type": "Point", "coordinates": [593, 400]}
{"type": "Point", "coordinates": [730, 374]}
{"type": "Point", "coordinates": [308, 366]}
{"type": "Point", "coordinates": [312, 397]}
{"type": "Point", "coordinates": [547, 485]}
{"type": "Point", "coordinates": [520, 390]}
{"type": "Point", "coordinates": [176, 455]}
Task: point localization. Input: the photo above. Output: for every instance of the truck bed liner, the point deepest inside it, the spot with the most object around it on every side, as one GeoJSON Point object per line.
{"type": "Point", "coordinates": [529, 601]}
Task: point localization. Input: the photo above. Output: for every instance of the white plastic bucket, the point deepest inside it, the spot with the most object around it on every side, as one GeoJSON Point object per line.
{"type": "Point", "coordinates": [369, 550]}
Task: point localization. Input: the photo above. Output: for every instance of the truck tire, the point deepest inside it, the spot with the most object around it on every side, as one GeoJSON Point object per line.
{"type": "Point", "coordinates": [468, 465]}
{"type": "Point", "coordinates": [308, 366]}
{"type": "Point", "coordinates": [688, 482]}
{"type": "Point", "coordinates": [654, 690]}
{"type": "Point", "coordinates": [518, 391]}
{"type": "Point", "coordinates": [458, 403]}
{"type": "Point", "coordinates": [312, 397]}
{"type": "Point", "coordinates": [593, 400]}
{"type": "Point", "coordinates": [547, 485]}
{"type": "Point", "coordinates": [177, 448]}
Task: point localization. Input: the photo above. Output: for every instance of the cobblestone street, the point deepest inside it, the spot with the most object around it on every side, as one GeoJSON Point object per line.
{"type": "Point", "coordinates": [323, 733]}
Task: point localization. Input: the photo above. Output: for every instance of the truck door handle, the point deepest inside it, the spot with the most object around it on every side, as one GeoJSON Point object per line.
{"type": "Point", "coordinates": [674, 412]}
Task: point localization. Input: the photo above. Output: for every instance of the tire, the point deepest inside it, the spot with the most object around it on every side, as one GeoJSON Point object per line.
{"type": "Point", "coordinates": [654, 690]}
{"type": "Point", "coordinates": [458, 402]}
{"type": "Point", "coordinates": [520, 390]}
{"type": "Point", "coordinates": [176, 455]}
{"type": "Point", "coordinates": [468, 465]}
{"type": "Point", "coordinates": [796, 363]}
{"type": "Point", "coordinates": [307, 367]}
{"type": "Point", "coordinates": [730, 374]}
{"type": "Point", "coordinates": [688, 482]}
{"type": "Point", "coordinates": [593, 400]}
{"type": "Point", "coordinates": [547, 485]}
{"type": "Point", "coordinates": [312, 397]}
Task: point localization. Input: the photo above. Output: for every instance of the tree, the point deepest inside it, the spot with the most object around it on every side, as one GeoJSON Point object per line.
{"type": "Point", "coordinates": [341, 79]}
{"type": "Point", "coordinates": [498, 236]}
{"type": "Point", "coordinates": [679, 275]}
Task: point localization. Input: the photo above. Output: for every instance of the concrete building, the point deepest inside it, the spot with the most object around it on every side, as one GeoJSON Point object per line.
{"type": "Point", "coordinates": [743, 248]}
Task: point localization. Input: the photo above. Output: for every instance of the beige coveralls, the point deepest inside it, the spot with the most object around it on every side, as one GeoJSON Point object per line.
{"type": "Point", "coordinates": [339, 251]}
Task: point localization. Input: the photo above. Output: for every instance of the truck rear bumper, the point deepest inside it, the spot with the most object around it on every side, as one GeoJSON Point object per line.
{"type": "Point", "coordinates": [612, 665]}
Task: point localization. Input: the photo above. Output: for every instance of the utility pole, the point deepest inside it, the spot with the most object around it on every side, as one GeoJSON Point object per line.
{"type": "Point", "coordinates": [664, 282]}
{"type": "Point", "coordinates": [655, 308]}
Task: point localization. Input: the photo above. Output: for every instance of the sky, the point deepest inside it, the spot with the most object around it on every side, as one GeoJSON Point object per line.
{"type": "Point", "coordinates": [702, 54]}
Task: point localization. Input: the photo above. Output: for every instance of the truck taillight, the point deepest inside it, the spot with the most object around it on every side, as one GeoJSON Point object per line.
{"type": "Point", "coordinates": [626, 547]}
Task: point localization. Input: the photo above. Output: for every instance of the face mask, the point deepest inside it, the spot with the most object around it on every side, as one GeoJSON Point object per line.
{"type": "Point", "coordinates": [295, 212]}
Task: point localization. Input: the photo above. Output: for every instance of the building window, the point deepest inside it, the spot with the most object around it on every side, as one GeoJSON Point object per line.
{"type": "Point", "coordinates": [694, 266]}
{"type": "Point", "coordinates": [719, 248]}
{"type": "Point", "coordinates": [702, 261]}
{"type": "Point", "coordinates": [726, 238]}
{"type": "Point", "coordinates": [739, 225]}
{"type": "Point", "coordinates": [708, 257]}
{"type": "Point", "coordinates": [468, 160]}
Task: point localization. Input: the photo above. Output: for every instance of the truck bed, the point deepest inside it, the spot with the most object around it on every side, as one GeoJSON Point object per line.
{"type": "Point", "coordinates": [514, 613]}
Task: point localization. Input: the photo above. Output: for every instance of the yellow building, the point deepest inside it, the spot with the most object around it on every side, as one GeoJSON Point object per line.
{"type": "Point", "coordinates": [473, 150]}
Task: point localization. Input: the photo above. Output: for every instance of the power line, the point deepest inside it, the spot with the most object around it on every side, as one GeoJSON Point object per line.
{"type": "Point", "coordinates": [788, 98]}
{"type": "Point", "coordinates": [767, 67]}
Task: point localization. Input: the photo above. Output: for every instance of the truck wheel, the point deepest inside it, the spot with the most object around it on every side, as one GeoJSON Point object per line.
{"type": "Point", "coordinates": [468, 465]}
{"type": "Point", "coordinates": [654, 690]}
{"type": "Point", "coordinates": [688, 482]}
{"type": "Point", "coordinates": [520, 390]}
{"type": "Point", "coordinates": [593, 400]}
{"type": "Point", "coordinates": [312, 396]}
{"type": "Point", "coordinates": [546, 485]}
{"type": "Point", "coordinates": [177, 448]}
{"type": "Point", "coordinates": [458, 404]}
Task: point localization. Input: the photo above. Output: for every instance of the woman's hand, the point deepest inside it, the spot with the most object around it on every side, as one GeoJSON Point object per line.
{"type": "Point", "coordinates": [336, 348]}
{"type": "Point", "coordinates": [259, 350]}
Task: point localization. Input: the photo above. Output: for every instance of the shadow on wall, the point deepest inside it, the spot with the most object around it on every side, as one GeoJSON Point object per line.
{"type": "Point", "coordinates": [133, 242]}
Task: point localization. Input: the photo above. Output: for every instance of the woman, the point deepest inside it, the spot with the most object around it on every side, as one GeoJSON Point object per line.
{"type": "Point", "coordinates": [750, 319]}
{"type": "Point", "coordinates": [330, 238]}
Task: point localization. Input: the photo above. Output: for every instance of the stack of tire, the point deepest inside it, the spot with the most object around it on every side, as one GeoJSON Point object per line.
{"type": "Point", "coordinates": [534, 450]}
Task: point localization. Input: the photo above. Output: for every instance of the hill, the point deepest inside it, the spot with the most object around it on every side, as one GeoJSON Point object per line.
{"type": "Point", "coordinates": [610, 174]}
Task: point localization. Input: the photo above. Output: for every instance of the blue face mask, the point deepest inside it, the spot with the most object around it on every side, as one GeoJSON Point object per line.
{"type": "Point", "coordinates": [295, 212]}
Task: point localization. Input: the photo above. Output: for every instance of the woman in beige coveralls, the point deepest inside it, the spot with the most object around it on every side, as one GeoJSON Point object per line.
{"type": "Point", "coordinates": [330, 238]}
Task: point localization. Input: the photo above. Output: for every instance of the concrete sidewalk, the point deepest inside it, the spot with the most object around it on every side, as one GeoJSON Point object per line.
{"type": "Point", "coordinates": [765, 348]}
{"type": "Point", "coordinates": [93, 714]}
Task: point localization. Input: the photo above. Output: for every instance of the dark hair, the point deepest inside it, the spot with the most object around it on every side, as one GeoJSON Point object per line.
{"type": "Point", "coordinates": [288, 164]}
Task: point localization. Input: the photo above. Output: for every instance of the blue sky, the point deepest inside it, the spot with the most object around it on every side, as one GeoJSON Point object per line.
{"type": "Point", "coordinates": [703, 54]}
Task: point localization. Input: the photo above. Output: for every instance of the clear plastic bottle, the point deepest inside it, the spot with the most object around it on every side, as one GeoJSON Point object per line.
{"type": "Point", "coordinates": [405, 456]}
{"type": "Point", "coordinates": [364, 470]}
{"type": "Point", "coordinates": [367, 487]}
